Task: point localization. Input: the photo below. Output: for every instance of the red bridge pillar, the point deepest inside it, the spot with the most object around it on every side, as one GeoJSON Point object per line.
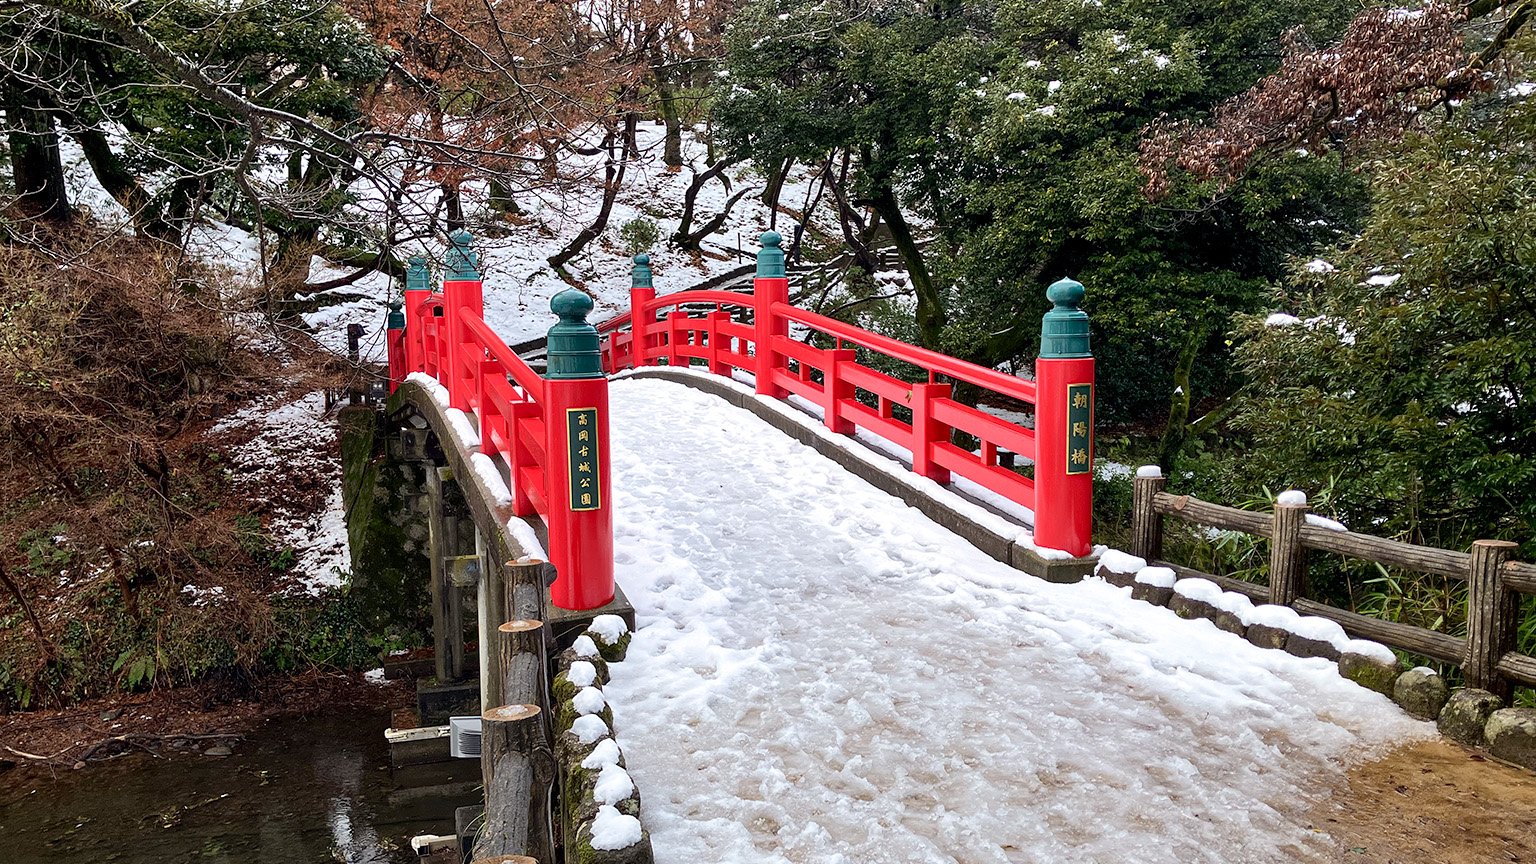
{"type": "Point", "coordinates": [462, 293]}
{"type": "Point", "coordinates": [1064, 425]}
{"type": "Point", "coordinates": [642, 290]}
{"type": "Point", "coordinates": [769, 287]}
{"type": "Point", "coordinates": [580, 491]}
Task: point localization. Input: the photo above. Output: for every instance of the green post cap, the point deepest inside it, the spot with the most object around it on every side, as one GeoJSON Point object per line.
{"type": "Point", "coordinates": [417, 277]}
{"type": "Point", "coordinates": [770, 259]}
{"type": "Point", "coordinates": [573, 350]}
{"type": "Point", "coordinates": [396, 317]}
{"type": "Point", "coordinates": [1064, 329]}
{"type": "Point", "coordinates": [462, 264]}
{"type": "Point", "coordinates": [640, 276]}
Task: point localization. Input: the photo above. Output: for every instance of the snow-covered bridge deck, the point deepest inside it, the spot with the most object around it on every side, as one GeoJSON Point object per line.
{"type": "Point", "coordinates": [822, 674]}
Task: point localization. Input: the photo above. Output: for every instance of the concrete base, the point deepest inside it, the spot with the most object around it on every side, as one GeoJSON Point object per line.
{"type": "Point", "coordinates": [466, 823]}
{"type": "Point", "coordinates": [1063, 570]}
{"type": "Point", "coordinates": [435, 703]}
{"type": "Point", "coordinates": [566, 624]}
{"type": "Point", "coordinates": [420, 746]}
{"type": "Point", "coordinates": [421, 663]}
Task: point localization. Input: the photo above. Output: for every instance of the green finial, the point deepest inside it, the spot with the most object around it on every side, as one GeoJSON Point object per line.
{"type": "Point", "coordinates": [1064, 329]}
{"type": "Point", "coordinates": [770, 259]}
{"type": "Point", "coordinates": [462, 263]}
{"type": "Point", "coordinates": [640, 276]}
{"type": "Point", "coordinates": [573, 350]}
{"type": "Point", "coordinates": [417, 277]}
{"type": "Point", "coordinates": [396, 317]}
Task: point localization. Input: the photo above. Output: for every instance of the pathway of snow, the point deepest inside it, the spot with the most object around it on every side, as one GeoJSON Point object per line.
{"type": "Point", "coordinates": [824, 675]}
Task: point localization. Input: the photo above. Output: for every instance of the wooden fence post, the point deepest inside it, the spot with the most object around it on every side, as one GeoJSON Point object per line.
{"type": "Point", "coordinates": [1146, 522]}
{"type": "Point", "coordinates": [1287, 557]}
{"type": "Point", "coordinates": [491, 597]}
{"type": "Point", "coordinates": [1492, 617]}
{"type": "Point", "coordinates": [517, 769]}
{"type": "Point", "coordinates": [446, 538]}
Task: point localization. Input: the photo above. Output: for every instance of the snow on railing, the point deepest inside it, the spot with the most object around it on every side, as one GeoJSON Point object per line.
{"type": "Point", "coordinates": [729, 333]}
{"type": "Point", "coordinates": [550, 432]}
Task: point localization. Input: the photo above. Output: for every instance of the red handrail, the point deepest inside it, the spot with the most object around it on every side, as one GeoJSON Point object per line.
{"type": "Point", "coordinates": [832, 378]}
{"type": "Point", "coordinates": [933, 361]}
{"type": "Point", "coordinates": [551, 435]}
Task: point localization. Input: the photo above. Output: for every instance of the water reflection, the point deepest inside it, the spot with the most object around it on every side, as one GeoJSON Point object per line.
{"type": "Point", "coordinates": [317, 790]}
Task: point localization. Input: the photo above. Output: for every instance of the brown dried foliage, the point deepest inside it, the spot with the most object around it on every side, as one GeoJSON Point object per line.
{"type": "Point", "coordinates": [115, 353]}
{"type": "Point", "coordinates": [493, 83]}
{"type": "Point", "coordinates": [1390, 65]}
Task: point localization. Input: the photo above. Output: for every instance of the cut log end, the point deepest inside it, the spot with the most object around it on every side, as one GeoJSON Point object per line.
{"type": "Point", "coordinates": [510, 713]}
{"type": "Point", "coordinates": [520, 625]}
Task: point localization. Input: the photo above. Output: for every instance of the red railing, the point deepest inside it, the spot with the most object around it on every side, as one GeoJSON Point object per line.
{"type": "Point", "coordinates": [542, 460]}
{"type": "Point", "coordinates": [922, 417]}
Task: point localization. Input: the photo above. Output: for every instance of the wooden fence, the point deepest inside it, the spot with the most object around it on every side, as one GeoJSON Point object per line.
{"type": "Point", "coordinates": [1494, 581]}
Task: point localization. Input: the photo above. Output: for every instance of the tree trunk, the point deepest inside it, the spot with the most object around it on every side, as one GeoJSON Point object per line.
{"type": "Point", "coordinates": [36, 168]}
{"type": "Point", "coordinates": [122, 185]}
{"type": "Point", "coordinates": [1177, 430]}
{"type": "Point", "coordinates": [517, 768]}
{"type": "Point", "coordinates": [930, 307]}
{"type": "Point", "coordinates": [502, 200]}
{"type": "Point", "coordinates": [774, 188]}
{"type": "Point", "coordinates": [683, 237]}
{"type": "Point", "coordinates": [453, 208]}
{"type": "Point", "coordinates": [671, 115]}
{"type": "Point", "coordinates": [849, 221]}
{"type": "Point", "coordinates": [631, 136]}
{"type": "Point", "coordinates": [613, 179]}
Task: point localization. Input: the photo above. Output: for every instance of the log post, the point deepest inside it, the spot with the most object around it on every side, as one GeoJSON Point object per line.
{"type": "Point", "coordinates": [1492, 617]}
{"type": "Point", "coordinates": [517, 769]}
{"type": "Point", "coordinates": [491, 604]}
{"type": "Point", "coordinates": [1146, 522]}
{"type": "Point", "coordinates": [1287, 557]}
{"type": "Point", "coordinates": [520, 652]}
{"type": "Point", "coordinates": [447, 533]}
{"type": "Point", "coordinates": [524, 587]}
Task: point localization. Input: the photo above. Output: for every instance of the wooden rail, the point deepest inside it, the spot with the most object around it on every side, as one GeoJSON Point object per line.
{"type": "Point", "coordinates": [1486, 656]}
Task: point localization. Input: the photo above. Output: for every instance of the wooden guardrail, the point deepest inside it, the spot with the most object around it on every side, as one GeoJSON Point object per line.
{"type": "Point", "coordinates": [1494, 582]}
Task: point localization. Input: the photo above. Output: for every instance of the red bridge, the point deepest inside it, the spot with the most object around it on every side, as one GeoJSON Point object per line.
{"type": "Point", "coordinates": [552, 430]}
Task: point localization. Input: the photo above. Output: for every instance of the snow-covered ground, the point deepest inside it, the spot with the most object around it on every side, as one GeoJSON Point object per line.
{"type": "Point", "coordinates": [822, 674]}
{"type": "Point", "coordinates": [288, 463]}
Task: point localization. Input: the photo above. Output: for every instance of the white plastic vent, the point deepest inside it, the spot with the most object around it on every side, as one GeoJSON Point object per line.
{"type": "Point", "coordinates": [464, 737]}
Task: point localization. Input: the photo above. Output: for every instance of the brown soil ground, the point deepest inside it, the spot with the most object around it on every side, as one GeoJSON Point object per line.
{"type": "Point", "coordinates": [1434, 803]}
{"type": "Point", "coordinates": [187, 718]}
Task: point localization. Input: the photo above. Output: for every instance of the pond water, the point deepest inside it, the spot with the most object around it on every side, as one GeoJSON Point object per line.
{"type": "Point", "coordinates": [294, 792]}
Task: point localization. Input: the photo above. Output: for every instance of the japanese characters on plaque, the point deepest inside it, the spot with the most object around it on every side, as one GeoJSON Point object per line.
{"type": "Point", "coordinates": [581, 438]}
{"type": "Point", "coordinates": [1079, 428]}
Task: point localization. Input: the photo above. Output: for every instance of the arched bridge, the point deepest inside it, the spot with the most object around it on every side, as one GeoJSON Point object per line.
{"type": "Point", "coordinates": [816, 564]}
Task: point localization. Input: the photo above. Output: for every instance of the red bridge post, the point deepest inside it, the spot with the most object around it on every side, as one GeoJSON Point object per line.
{"type": "Point", "coordinates": [396, 345]}
{"type": "Point", "coordinates": [580, 492]}
{"type": "Point", "coordinates": [769, 287]}
{"type": "Point", "coordinates": [1064, 425]}
{"type": "Point", "coordinates": [642, 290]}
{"type": "Point", "coordinates": [462, 292]}
{"type": "Point", "coordinates": [418, 287]}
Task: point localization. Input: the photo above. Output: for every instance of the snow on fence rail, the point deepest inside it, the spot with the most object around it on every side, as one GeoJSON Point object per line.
{"type": "Point", "coordinates": [729, 332]}
{"type": "Point", "coordinates": [1486, 656]}
{"type": "Point", "coordinates": [551, 431]}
